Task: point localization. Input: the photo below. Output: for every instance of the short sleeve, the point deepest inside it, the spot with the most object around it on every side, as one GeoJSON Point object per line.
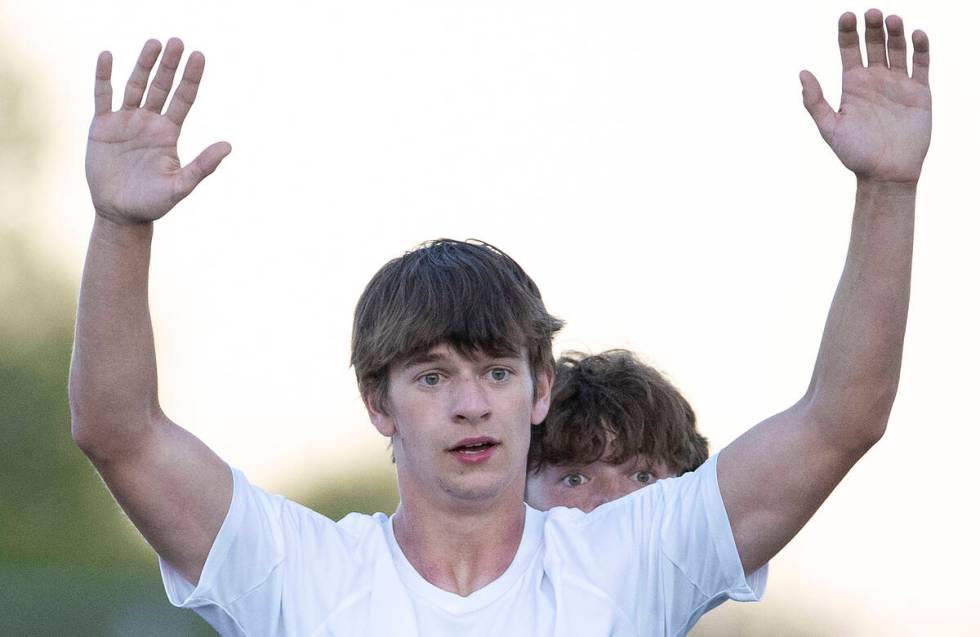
{"type": "Point", "coordinates": [248, 549]}
{"type": "Point", "coordinates": [696, 537]}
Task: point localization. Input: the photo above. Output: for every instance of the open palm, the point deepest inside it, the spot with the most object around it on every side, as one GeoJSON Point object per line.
{"type": "Point", "coordinates": [133, 170]}
{"type": "Point", "coordinates": [883, 127]}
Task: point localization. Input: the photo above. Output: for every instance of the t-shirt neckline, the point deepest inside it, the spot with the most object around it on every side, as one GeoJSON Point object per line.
{"type": "Point", "coordinates": [453, 603]}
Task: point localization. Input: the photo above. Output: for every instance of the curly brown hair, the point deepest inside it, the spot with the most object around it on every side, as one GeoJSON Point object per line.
{"type": "Point", "coordinates": [612, 407]}
{"type": "Point", "coordinates": [467, 294]}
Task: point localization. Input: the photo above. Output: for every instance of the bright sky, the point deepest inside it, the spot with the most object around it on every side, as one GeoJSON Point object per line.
{"type": "Point", "coordinates": [652, 168]}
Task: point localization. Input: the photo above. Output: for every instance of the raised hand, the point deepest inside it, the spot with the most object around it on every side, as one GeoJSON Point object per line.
{"type": "Point", "coordinates": [881, 131]}
{"type": "Point", "coordinates": [133, 171]}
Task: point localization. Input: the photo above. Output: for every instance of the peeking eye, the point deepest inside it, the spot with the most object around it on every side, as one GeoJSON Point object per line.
{"type": "Point", "coordinates": [574, 480]}
{"type": "Point", "coordinates": [644, 477]}
{"type": "Point", "coordinates": [430, 380]}
{"type": "Point", "coordinates": [499, 374]}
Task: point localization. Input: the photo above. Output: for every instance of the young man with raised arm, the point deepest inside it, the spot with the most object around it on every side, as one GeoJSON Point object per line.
{"type": "Point", "coordinates": [451, 349]}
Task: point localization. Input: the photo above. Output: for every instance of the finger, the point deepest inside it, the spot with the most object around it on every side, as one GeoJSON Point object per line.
{"type": "Point", "coordinates": [203, 165]}
{"type": "Point", "coordinates": [141, 73]}
{"type": "Point", "coordinates": [848, 41]}
{"type": "Point", "coordinates": [816, 105]}
{"type": "Point", "coordinates": [920, 57]}
{"type": "Point", "coordinates": [896, 44]}
{"type": "Point", "coordinates": [164, 79]}
{"type": "Point", "coordinates": [874, 37]}
{"type": "Point", "coordinates": [184, 96]}
{"type": "Point", "coordinates": [103, 84]}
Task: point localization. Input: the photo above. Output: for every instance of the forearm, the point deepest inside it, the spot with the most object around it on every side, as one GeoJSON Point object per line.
{"type": "Point", "coordinates": [113, 382]}
{"type": "Point", "coordinates": [857, 369]}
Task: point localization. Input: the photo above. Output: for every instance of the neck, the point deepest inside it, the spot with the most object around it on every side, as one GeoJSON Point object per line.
{"type": "Point", "coordinates": [459, 551]}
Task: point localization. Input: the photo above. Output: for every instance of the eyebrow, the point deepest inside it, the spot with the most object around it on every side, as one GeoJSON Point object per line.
{"type": "Point", "coordinates": [423, 358]}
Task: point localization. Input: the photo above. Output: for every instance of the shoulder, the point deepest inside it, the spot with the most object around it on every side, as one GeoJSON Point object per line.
{"type": "Point", "coordinates": [290, 523]}
{"type": "Point", "coordinates": [305, 543]}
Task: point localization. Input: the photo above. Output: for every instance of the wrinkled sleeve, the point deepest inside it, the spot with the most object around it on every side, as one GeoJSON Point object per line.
{"type": "Point", "coordinates": [696, 539]}
{"type": "Point", "coordinates": [238, 587]}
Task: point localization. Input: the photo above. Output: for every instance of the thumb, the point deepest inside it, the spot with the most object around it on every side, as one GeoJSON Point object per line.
{"type": "Point", "coordinates": [203, 165]}
{"type": "Point", "coordinates": [816, 105]}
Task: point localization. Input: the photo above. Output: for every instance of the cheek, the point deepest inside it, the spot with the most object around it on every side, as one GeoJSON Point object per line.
{"type": "Point", "coordinates": [542, 494]}
{"type": "Point", "coordinates": [628, 486]}
{"type": "Point", "coordinates": [548, 496]}
{"type": "Point", "coordinates": [416, 412]}
{"type": "Point", "coordinates": [615, 488]}
{"type": "Point", "coordinates": [534, 493]}
{"type": "Point", "coordinates": [412, 436]}
{"type": "Point", "coordinates": [577, 498]}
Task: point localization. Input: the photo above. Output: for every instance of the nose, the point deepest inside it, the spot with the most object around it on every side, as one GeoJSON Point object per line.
{"type": "Point", "coordinates": [603, 492]}
{"type": "Point", "coordinates": [470, 403]}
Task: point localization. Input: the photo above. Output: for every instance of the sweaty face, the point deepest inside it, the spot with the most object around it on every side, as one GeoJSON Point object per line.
{"type": "Point", "coordinates": [460, 426]}
{"type": "Point", "coordinates": [586, 487]}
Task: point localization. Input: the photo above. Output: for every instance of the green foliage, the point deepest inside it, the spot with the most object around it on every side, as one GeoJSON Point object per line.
{"type": "Point", "coordinates": [53, 508]}
{"type": "Point", "coordinates": [69, 561]}
{"type": "Point", "coordinates": [46, 601]}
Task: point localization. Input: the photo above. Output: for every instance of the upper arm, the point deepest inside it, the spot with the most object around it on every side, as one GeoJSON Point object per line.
{"type": "Point", "coordinates": [774, 477]}
{"type": "Point", "coordinates": [176, 491]}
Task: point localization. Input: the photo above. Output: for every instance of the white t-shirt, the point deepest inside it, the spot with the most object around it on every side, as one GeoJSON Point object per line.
{"type": "Point", "coordinates": [650, 563]}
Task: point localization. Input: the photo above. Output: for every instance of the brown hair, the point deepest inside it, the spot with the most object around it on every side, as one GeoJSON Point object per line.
{"type": "Point", "coordinates": [467, 294]}
{"type": "Point", "coordinates": [612, 407]}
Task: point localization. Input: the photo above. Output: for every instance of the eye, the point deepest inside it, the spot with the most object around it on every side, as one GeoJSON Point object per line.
{"type": "Point", "coordinates": [574, 480]}
{"type": "Point", "coordinates": [499, 374]}
{"type": "Point", "coordinates": [431, 379]}
{"type": "Point", "coordinates": [644, 477]}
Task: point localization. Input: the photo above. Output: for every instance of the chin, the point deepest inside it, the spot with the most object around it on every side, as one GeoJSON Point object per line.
{"type": "Point", "coordinates": [473, 493]}
{"type": "Point", "coordinates": [476, 489]}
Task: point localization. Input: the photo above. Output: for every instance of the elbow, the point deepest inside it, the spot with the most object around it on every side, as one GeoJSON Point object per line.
{"type": "Point", "coordinates": [85, 432]}
{"type": "Point", "coordinates": [871, 433]}
{"type": "Point", "coordinates": [88, 421]}
{"type": "Point", "coordinates": [82, 429]}
{"type": "Point", "coordinates": [83, 413]}
{"type": "Point", "coordinates": [868, 424]}
{"type": "Point", "coordinates": [104, 431]}
{"type": "Point", "coordinates": [86, 443]}
{"type": "Point", "coordinates": [853, 420]}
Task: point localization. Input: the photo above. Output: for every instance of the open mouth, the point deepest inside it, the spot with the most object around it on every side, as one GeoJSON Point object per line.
{"type": "Point", "coordinates": [474, 450]}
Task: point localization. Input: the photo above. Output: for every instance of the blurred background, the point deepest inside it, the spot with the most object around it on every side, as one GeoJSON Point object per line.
{"type": "Point", "coordinates": [650, 166]}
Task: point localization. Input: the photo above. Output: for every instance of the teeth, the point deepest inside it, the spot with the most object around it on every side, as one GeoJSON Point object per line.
{"type": "Point", "coordinates": [478, 447]}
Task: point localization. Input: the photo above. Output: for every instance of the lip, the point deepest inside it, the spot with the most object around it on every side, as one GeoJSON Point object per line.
{"type": "Point", "coordinates": [474, 457]}
{"type": "Point", "coordinates": [475, 440]}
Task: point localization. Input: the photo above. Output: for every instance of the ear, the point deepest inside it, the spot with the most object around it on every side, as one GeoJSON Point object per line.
{"type": "Point", "coordinates": [384, 423]}
{"type": "Point", "coordinates": [542, 392]}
